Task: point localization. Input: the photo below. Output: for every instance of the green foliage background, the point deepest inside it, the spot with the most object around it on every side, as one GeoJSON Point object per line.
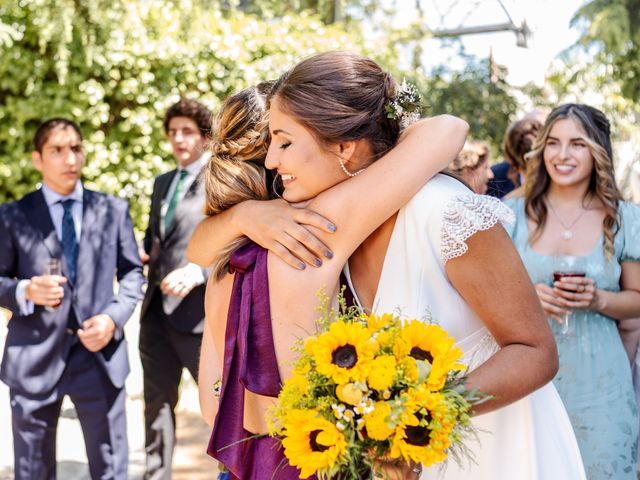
{"type": "Point", "coordinates": [486, 103]}
{"type": "Point", "coordinates": [115, 66]}
{"type": "Point", "coordinates": [117, 74]}
{"type": "Point", "coordinates": [611, 30]}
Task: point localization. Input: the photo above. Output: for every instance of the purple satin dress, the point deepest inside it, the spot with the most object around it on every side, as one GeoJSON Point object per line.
{"type": "Point", "coordinates": [249, 363]}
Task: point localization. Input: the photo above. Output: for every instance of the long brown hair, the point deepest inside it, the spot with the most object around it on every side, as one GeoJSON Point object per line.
{"type": "Point", "coordinates": [518, 141]}
{"type": "Point", "coordinates": [235, 172]}
{"type": "Point", "coordinates": [602, 182]}
{"type": "Point", "coordinates": [339, 97]}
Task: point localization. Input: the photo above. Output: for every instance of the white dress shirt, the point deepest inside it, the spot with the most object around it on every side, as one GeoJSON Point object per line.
{"type": "Point", "coordinates": [56, 211]}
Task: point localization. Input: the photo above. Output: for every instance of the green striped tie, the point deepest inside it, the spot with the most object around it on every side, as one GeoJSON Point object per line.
{"type": "Point", "coordinates": [175, 199]}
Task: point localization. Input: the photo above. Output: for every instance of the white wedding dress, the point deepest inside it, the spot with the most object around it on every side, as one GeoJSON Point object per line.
{"type": "Point", "coordinates": [531, 439]}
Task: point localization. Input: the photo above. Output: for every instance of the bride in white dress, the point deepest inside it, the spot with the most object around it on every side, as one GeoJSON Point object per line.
{"type": "Point", "coordinates": [531, 439]}
{"type": "Point", "coordinates": [443, 255]}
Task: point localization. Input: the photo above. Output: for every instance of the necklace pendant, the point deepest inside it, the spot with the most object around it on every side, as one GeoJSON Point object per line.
{"type": "Point", "coordinates": [567, 235]}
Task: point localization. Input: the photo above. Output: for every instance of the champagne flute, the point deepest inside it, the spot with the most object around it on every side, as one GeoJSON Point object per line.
{"type": "Point", "coordinates": [52, 267]}
{"type": "Point", "coordinates": [565, 266]}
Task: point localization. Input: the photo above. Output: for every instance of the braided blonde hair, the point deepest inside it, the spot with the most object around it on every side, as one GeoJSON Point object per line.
{"type": "Point", "coordinates": [235, 172]}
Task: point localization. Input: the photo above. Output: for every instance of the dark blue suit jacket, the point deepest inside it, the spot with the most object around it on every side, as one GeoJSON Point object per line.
{"type": "Point", "coordinates": [37, 345]}
{"type": "Point", "coordinates": [500, 184]}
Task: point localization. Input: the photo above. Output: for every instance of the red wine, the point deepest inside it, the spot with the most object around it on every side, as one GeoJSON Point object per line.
{"type": "Point", "coordinates": [559, 274]}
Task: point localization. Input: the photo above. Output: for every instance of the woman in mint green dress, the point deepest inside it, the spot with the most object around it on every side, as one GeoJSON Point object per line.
{"type": "Point", "coordinates": [571, 220]}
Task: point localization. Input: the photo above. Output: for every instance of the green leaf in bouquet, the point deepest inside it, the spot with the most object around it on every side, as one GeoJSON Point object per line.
{"type": "Point", "coordinates": [424, 369]}
{"type": "Point", "coordinates": [361, 385]}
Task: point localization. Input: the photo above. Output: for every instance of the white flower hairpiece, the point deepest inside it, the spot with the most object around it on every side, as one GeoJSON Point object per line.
{"type": "Point", "coordinates": [405, 105]}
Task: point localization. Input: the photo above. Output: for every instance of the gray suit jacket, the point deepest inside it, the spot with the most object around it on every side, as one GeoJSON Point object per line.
{"type": "Point", "coordinates": [168, 252]}
{"type": "Point", "coordinates": [37, 345]}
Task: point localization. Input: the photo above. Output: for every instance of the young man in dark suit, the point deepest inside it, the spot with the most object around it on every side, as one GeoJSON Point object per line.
{"type": "Point", "coordinates": [173, 308]}
{"type": "Point", "coordinates": [66, 333]}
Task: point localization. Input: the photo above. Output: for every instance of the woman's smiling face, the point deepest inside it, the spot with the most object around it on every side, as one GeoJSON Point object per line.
{"type": "Point", "coordinates": [306, 166]}
{"type": "Point", "coordinates": [567, 156]}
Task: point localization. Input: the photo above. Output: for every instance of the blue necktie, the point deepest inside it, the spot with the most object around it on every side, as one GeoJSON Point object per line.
{"type": "Point", "coordinates": [69, 241]}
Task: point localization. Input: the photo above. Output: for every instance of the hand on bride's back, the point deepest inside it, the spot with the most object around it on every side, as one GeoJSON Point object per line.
{"type": "Point", "coordinates": [285, 230]}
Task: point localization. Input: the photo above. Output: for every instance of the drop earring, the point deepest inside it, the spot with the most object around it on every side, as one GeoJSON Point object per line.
{"type": "Point", "coordinates": [347, 172]}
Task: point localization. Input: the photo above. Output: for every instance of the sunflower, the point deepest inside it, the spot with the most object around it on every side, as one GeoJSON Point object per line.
{"type": "Point", "coordinates": [423, 434]}
{"type": "Point", "coordinates": [312, 443]}
{"type": "Point", "coordinates": [431, 344]}
{"type": "Point", "coordinates": [344, 353]}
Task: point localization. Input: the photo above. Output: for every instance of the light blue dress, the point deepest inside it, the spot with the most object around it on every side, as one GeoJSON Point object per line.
{"type": "Point", "coordinates": [594, 379]}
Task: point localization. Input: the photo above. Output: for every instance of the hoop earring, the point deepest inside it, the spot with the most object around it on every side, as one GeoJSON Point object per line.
{"type": "Point", "coordinates": [347, 172]}
{"type": "Point", "coordinates": [274, 186]}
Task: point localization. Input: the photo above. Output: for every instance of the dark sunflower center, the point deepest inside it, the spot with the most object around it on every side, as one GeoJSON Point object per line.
{"type": "Point", "coordinates": [419, 435]}
{"type": "Point", "coordinates": [315, 446]}
{"type": "Point", "coordinates": [420, 354]}
{"type": "Point", "coordinates": [345, 356]}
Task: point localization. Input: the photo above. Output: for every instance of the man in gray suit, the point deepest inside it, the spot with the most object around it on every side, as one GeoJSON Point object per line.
{"type": "Point", "coordinates": [66, 333]}
{"type": "Point", "coordinates": [173, 308]}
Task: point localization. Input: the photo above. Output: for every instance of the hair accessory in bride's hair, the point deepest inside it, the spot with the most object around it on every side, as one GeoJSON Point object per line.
{"type": "Point", "coordinates": [405, 104]}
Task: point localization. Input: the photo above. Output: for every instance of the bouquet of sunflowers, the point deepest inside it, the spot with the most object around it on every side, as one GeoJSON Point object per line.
{"type": "Point", "coordinates": [368, 387]}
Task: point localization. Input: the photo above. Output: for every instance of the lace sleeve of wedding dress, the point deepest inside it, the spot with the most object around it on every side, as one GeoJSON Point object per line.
{"type": "Point", "coordinates": [465, 215]}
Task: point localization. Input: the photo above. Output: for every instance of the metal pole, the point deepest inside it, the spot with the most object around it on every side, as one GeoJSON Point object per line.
{"type": "Point", "coordinates": [522, 32]}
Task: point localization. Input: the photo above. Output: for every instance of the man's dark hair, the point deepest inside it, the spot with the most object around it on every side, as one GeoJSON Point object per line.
{"type": "Point", "coordinates": [45, 129]}
{"type": "Point", "coordinates": [192, 109]}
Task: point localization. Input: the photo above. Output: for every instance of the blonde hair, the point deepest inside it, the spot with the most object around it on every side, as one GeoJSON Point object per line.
{"type": "Point", "coordinates": [473, 154]}
{"type": "Point", "coordinates": [602, 183]}
{"type": "Point", "coordinates": [235, 172]}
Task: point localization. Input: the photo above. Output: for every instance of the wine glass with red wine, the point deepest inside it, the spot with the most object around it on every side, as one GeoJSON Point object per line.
{"type": "Point", "coordinates": [566, 266]}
